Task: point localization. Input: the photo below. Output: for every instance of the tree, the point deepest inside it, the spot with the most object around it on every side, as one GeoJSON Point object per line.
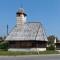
{"type": "Point", "coordinates": [51, 44]}
{"type": "Point", "coordinates": [1, 39]}
{"type": "Point", "coordinates": [3, 43]}
{"type": "Point", "coordinates": [51, 39]}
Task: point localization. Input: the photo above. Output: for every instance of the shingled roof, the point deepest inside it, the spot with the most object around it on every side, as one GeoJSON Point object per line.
{"type": "Point", "coordinates": [31, 31]}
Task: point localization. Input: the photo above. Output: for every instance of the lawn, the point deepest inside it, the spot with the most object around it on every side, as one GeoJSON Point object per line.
{"type": "Point", "coordinates": [12, 53]}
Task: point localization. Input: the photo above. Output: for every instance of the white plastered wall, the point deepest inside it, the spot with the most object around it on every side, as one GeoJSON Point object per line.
{"type": "Point", "coordinates": [27, 49]}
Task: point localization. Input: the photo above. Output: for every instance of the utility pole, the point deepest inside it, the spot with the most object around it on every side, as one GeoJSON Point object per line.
{"type": "Point", "coordinates": [7, 29]}
{"type": "Point", "coordinates": [37, 41]}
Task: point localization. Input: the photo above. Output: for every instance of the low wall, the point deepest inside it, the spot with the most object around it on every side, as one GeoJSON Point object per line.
{"type": "Point", "coordinates": [27, 49]}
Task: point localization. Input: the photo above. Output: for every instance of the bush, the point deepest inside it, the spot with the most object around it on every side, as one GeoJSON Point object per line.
{"type": "Point", "coordinates": [52, 47]}
{"type": "Point", "coordinates": [4, 46]}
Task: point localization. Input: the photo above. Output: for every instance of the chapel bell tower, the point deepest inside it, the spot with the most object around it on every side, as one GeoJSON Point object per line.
{"type": "Point", "coordinates": [20, 17]}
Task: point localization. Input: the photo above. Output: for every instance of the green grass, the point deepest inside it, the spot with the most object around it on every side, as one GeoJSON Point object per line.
{"type": "Point", "coordinates": [10, 53]}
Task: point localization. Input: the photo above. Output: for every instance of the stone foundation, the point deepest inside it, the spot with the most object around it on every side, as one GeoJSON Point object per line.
{"type": "Point", "coordinates": [27, 49]}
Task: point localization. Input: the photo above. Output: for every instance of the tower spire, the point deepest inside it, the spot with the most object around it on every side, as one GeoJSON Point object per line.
{"type": "Point", "coordinates": [21, 16]}
{"type": "Point", "coordinates": [21, 5]}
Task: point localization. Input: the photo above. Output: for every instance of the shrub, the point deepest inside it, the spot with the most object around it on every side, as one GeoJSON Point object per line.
{"type": "Point", "coordinates": [4, 46]}
{"type": "Point", "coordinates": [51, 47]}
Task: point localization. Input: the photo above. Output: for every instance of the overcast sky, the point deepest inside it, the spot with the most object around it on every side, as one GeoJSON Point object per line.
{"type": "Point", "coordinates": [45, 11]}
